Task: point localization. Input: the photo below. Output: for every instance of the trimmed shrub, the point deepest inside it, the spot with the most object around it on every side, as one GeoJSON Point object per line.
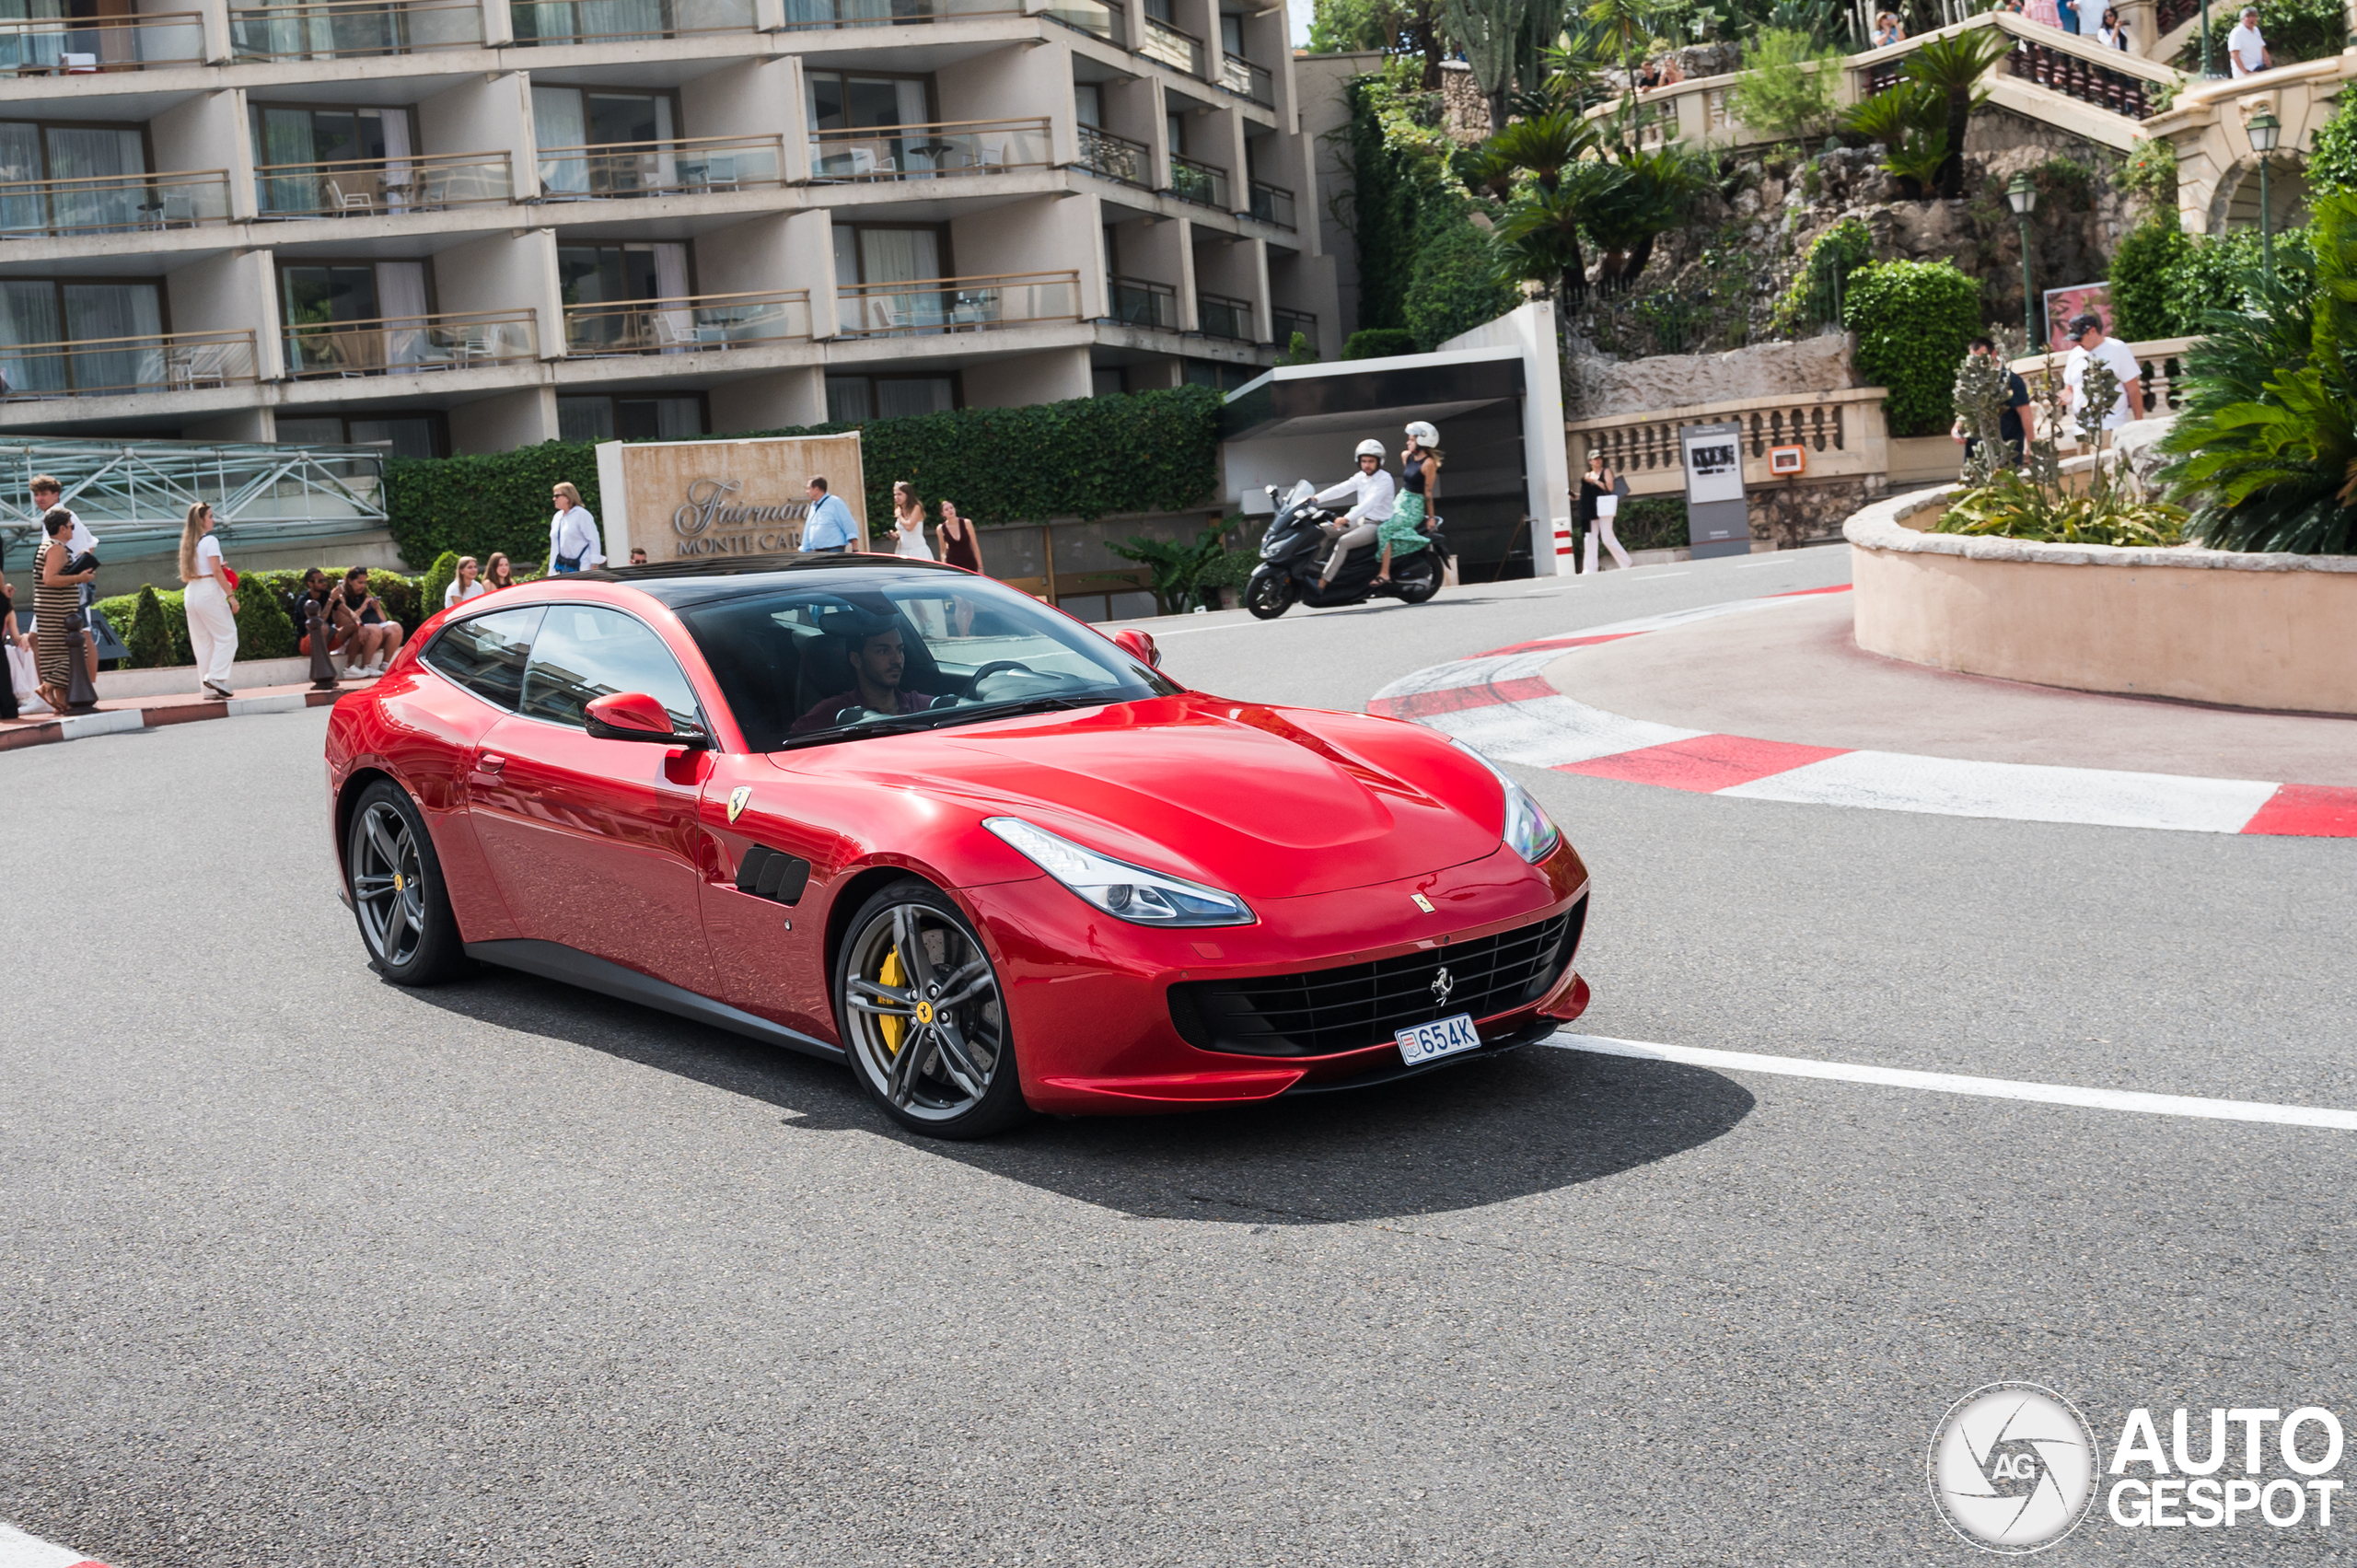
{"type": "Point", "coordinates": [2144, 279]}
{"type": "Point", "coordinates": [1914, 322]}
{"type": "Point", "coordinates": [1815, 297]}
{"type": "Point", "coordinates": [1379, 342]}
{"type": "Point", "coordinates": [1299, 351]}
{"type": "Point", "coordinates": [148, 639]}
{"type": "Point", "coordinates": [264, 631]}
{"type": "Point", "coordinates": [438, 580]}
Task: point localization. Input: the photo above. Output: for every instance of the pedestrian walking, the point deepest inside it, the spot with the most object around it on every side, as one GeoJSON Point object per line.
{"type": "Point", "coordinates": [497, 573]}
{"type": "Point", "coordinates": [2092, 344]}
{"type": "Point", "coordinates": [467, 585]}
{"type": "Point", "coordinates": [2247, 51]}
{"type": "Point", "coordinates": [573, 532]}
{"type": "Point", "coordinates": [908, 523]}
{"type": "Point", "coordinates": [19, 675]}
{"type": "Point", "coordinates": [1600, 505]}
{"type": "Point", "coordinates": [50, 496]}
{"type": "Point", "coordinates": [57, 598]}
{"type": "Point", "coordinates": [210, 602]}
{"type": "Point", "coordinates": [830, 529]}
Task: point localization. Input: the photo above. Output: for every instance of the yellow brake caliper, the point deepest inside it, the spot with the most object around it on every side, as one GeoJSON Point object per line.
{"type": "Point", "coordinates": [890, 975]}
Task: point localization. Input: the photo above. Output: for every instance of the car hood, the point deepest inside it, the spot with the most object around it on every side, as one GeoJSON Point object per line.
{"type": "Point", "coordinates": [1270, 802]}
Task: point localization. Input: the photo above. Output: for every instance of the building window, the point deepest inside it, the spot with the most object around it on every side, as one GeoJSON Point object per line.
{"type": "Point", "coordinates": [289, 143]}
{"type": "Point", "coordinates": [839, 102]}
{"type": "Point", "coordinates": [315, 293]}
{"type": "Point", "coordinates": [630, 419]}
{"type": "Point", "coordinates": [402, 436]}
{"type": "Point", "coordinates": [1088, 104]}
{"type": "Point", "coordinates": [32, 152]}
{"type": "Point", "coordinates": [855, 400]}
{"type": "Point", "coordinates": [1225, 378]}
{"type": "Point", "coordinates": [104, 315]}
{"type": "Point", "coordinates": [574, 118]}
{"type": "Point", "coordinates": [1105, 382]}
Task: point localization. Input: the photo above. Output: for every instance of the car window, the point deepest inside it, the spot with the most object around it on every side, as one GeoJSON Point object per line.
{"type": "Point", "coordinates": [485, 654]}
{"type": "Point", "coordinates": [585, 652]}
{"type": "Point", "coordinates": [851, 652]}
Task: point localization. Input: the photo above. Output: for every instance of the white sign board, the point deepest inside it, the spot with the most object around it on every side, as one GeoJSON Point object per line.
{"type": "Point", "coordinates": [1713, 465]}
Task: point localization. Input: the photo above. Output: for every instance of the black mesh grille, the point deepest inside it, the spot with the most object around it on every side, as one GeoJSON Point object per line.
{"type": "Point", "coordinates": [1361, 1004]}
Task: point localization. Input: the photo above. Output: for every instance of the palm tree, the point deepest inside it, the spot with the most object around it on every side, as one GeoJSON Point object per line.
{"type": "Point", "coordinates": [1953, 66]}
{"type": "Point", "coordinates": [1538, 238]}
{"type": "Point", "coordinates": [1625, 220]}
{"type": "Point", "coordinates": [1544, 146]}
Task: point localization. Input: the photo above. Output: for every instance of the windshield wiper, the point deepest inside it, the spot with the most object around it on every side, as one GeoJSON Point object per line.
{"type": "Point", "coordinates": [942, 718]}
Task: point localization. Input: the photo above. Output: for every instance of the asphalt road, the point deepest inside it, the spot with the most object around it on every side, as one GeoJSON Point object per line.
{"type": "Point", "coordinates": [298, 1268]}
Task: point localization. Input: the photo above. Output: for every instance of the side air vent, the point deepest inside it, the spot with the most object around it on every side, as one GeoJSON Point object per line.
{"type": "Point", "coordinates": [772, 873]}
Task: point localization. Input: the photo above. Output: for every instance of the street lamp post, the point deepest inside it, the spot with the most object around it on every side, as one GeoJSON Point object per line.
{"type": "Point", "coordinates": [2021, 196]}
{"type": "Point", "coordinates": [2264, 128]}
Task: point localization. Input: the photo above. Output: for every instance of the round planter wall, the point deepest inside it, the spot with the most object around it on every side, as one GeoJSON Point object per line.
{"type": "Point", "coordinates": [2245, 630]}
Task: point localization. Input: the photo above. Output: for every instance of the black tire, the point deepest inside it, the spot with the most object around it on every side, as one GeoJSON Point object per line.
{"type": "Point", "coordinates": [947, 1071]}
{"type": "Point", "coordinates": [1417, 585]}
{"type": "Point", "coordinates": [1267, 595]}
{"type": "Point", "coordinates": [398, 899]}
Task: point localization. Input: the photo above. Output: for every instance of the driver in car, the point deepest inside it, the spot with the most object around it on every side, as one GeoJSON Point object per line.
{"type": "Point", "coordinates": [877, 660]}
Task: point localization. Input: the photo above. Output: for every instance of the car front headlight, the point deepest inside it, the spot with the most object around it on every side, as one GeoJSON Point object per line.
{"type": "Point", "coordinates": [1528, 831]}
{"type": "Point", "coordinates": [1123, 890]}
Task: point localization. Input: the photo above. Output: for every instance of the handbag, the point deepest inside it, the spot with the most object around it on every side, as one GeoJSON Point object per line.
{"type": "Point", "coordinates": [86, 561]}
{"type": "Point", "coordinates": [1608, 507]}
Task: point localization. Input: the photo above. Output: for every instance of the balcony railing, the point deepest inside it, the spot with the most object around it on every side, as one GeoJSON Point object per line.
{"type": "Point", "coordinates": [2079, 78]}
{"type": "Point", "coordinates": [114, 203]}
{"type": "Point", "coordinates": [410, 345]}
{"type": "Point", "coordinates": [621, 21]}
{"type": "Point", "coordinates": [1091, 16]}
{"type": "Point", "coordinates": [1180, 50]}
{"type": "Point", "coordinates": [351, 30]}
{"type": "Point", "coordinates": [885, 13]}
{"type": "Point", "coordinates": [1138, 302]}
{"type": "Point", "coordinates": [1245, 79]}
{"type": "Point", "coordinates": [51, 46]}
{"type": "Point", "coordinates": [1283, 325]}
{"type": "Point", "coordinates": [929, 152]}
{"type": "Point", "coordinates": [372, 186]}
{"type": "Point", "coordinates": [1220, 317]}
{"type": "Point", "coordinates": [1272, 203]}
{"type": "Point", "coordinates": [957, 304]}
{"type": "Point", "coordinates": [1199, 183]}
{"type": "Point", "coordinates": [98, 368]}
{"type": "Point", "coordinates": [688, 324]}
{"type": "Point", "coordinates": [697, 167]}
{"type": "Point", "coordinates": [1116, 157]}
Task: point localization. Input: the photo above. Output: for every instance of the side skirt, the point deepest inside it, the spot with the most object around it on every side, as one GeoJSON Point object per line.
{"type": "Point", "coordinates": [554, 961]}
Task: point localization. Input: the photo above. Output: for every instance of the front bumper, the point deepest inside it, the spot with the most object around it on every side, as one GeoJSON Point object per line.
{"type": "Point", "coordinates": [1088, 996]}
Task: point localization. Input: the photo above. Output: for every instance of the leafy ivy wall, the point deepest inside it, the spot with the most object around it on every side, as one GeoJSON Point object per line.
{"type": "Point", "coordinates": [1087, 458]}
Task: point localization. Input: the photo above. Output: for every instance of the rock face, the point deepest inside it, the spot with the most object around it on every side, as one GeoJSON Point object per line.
{"type": "Point", "coordinates": [1601, 386]}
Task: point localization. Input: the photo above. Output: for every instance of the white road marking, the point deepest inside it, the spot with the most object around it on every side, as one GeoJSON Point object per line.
{"type": "Point", "coordinates": [1961, 1084]}
{"type": "Point", "coordinates": [1747, 566]}
{"type": "Point", "coordinates": [18, 1550]}
{"type": "Point", "coordinates": [1661, 577]}
{"type": "Point", "coordinates": [2022, 791]}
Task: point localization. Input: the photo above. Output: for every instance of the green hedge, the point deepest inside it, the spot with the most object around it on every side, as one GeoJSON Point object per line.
{"type": "Point", "coordinates": [2144, 279]}
{"type": "Point", "coordinates": [1914, 320]}
{"type": "Point", "coordinates": [1087, 457]}
{"type": "Point", "coordinates": [1423, 265]}
{"type": "Point", "coordinates": [2332, 152]}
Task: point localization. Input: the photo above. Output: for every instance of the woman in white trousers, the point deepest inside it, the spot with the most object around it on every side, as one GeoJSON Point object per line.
{"type": "Point", "coordinates": [212, 605]}
{"type": "Point", "coordinates": [1599, 504]}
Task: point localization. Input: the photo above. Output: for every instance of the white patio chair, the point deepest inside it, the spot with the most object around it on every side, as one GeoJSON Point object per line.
{"type": "Point", "coordinates": [343, 201]}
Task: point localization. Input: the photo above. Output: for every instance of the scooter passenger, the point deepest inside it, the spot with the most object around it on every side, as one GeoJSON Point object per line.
{"type": "Point", "coordinates": [1373, 490]}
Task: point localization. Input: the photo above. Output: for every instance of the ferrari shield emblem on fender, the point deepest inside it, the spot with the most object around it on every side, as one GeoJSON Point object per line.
{"type": "Point", "coordinates": [1422, 902]}
{"type": "Point", "coordinates": [737, 799]}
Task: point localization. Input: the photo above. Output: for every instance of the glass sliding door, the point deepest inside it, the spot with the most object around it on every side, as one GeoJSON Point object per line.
{"type": "Point", "coordinates": [29, 314]}
{"type": "Point", "coordinates": [78, 152]}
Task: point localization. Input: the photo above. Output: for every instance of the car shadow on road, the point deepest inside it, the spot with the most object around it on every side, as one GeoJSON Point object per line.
{"type": "Point", "coordinates": [1486, 1132]}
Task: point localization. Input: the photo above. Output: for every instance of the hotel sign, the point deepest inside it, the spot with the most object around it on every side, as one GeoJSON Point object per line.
{"type": "Point", "coordinates": [686, 500]}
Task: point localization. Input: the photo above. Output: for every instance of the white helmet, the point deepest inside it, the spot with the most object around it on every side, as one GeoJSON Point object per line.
{"type": "Point", "coordinates": [1422, 435]}
{"type": "Point", "coordinates": [1371, 447]}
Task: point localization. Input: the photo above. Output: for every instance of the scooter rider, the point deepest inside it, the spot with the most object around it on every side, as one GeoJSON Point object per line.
{"type": "Point", "coordinates": [1374, 489]}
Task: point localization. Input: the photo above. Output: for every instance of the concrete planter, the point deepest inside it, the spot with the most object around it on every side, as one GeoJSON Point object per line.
{"type": "Point", "coordinates": [2242, 630]}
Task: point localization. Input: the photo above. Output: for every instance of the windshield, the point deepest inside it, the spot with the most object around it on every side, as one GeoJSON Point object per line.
{"type": "Point", "coordinates": [847, 653]}
{"type": "Point", "coordinates": [1301, 490]}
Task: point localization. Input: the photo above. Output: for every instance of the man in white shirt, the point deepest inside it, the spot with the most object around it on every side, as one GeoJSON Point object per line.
{"type": "Point", "coordinates": [1373, 489]}
{"type": "Point", "coordinates": [572, 533]}
{"type": "Point", "coordinates": [2087, 332]}
{"type": "Point", "coordinates": [2246, 49]}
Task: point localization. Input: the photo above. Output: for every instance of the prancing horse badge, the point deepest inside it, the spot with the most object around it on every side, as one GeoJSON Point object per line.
{"type": "Point", "coordinates": [737, 798]}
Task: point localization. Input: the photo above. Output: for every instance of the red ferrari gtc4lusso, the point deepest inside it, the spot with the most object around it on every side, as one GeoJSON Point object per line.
{"type": "Point", "coordinates": [892, 812]}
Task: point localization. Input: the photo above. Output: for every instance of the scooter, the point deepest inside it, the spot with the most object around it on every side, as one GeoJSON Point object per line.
{"type": "Point", "coordinates": [1289, 568]}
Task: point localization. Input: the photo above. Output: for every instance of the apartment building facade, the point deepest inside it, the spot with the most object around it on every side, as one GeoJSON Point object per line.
{"type": "Point", "coordinates": [459, 226]}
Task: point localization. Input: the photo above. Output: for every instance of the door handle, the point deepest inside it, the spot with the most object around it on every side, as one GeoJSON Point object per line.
{"type": "Point", "coordinates": [487, 766]}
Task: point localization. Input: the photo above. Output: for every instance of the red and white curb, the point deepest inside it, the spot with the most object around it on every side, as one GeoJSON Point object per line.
{"type": "Point", "coordinates": [1500, 703]}
{"type": "Point", "coordinates": [18, 1550]}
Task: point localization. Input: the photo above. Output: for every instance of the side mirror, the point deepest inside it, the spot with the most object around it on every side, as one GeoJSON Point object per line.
{"type": "Point", "coordinates": [1139, 646]}
{"type": "Point", "coordinates": [635, 715]}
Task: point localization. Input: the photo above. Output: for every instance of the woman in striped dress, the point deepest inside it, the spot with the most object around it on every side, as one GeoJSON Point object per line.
{"type": "Point", "coordinates": [57, 594]}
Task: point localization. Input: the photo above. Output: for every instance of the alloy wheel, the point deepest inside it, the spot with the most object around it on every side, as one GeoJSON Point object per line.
{"type": "Point", "coordinates": [388, 884]}
{"type": "Point", "coordinates": [926, 1020]}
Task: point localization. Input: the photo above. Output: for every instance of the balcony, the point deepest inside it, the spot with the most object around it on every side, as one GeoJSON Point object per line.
{"type": "Point", "coordinates": [1180, 51]}
{"type": "Point", "coordinates": [686, 325]}
{"type": "Point", "coordinates": [99, 367]}
{"type": "Point", "coordinates": [957, 304]}
{"type": "Point", "coordinates": [411, 345]}
{"type": "Point", "coordinates": [1116, 157]}
{"type": "Point", "coordinates": [1199, 183]}
{"type": "Point", "coordinates": [352, 30]}
{"type": "Point", "coordinates": [624, 21]}
{"type": "Point", "coordinates": [1245, 79]}
{"type": "Point", "coordinates": [113, 203]}
{"type": "Point", "coordinates": [374, 187]}
{"type": "Point", "coordinates": [1136, 302]}
{"type": "Point", "coordinates": [1272, 203]}
{"type": "Point", "coordinates": [929, 152]}
{"type": "Point", "coordinates": [801, 13]}
{"type": "Point", "coordinates": [1284, 324]}
{"type": "Point", "coordinates": [1091, 16]}
{"type": "Point", "coordinates": [696, 166]}
{"type": "Point", "coordinates": [53, 46]}
{"type": "Point", "coordinates": [1220, 317]}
